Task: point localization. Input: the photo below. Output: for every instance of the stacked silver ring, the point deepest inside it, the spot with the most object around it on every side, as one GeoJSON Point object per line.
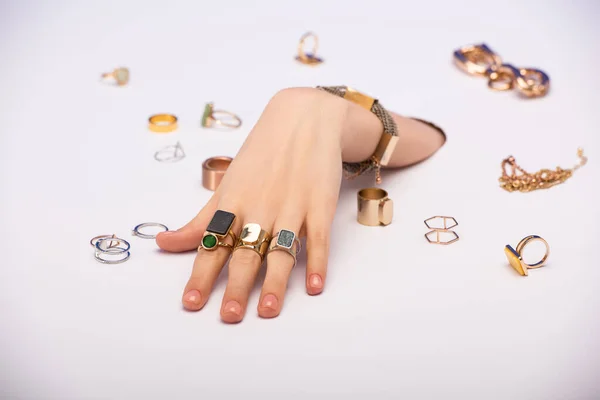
{"type": "Point", "coordinates": [110, 249]}
{"type": "Point", "coordinates": [285, 241]}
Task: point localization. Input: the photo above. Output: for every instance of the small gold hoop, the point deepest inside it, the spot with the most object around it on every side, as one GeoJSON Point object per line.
{"type": "Point", "coordinates": [308, 58]}
{"type": "Point", "coordinates": [532, 82]}
{"type": "Point", "coordinates": [503, 77]}
{"type": "Point", "coordinates": [476, 59]}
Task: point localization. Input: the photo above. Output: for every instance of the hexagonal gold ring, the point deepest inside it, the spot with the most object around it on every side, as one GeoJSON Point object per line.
{"type": "Point", "coordinates": [374, 207]}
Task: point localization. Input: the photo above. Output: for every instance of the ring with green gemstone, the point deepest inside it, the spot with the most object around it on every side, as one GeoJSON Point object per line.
{"type": "Point", "coordinates": [286, 241]}
{"type": "Point", "coordinates": [217, 231]}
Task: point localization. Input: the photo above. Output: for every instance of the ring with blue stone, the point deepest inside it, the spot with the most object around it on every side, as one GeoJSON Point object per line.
{"type": "Point", "coordinates": [217, 231]}
{"type": "Point", "coordinates": [287, 241]}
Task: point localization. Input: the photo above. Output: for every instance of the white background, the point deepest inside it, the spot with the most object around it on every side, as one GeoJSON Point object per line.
{"type": "Point", "coordinates": [399, 318]}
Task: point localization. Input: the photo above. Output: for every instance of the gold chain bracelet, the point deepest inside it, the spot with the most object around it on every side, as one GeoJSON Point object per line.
{"type": "Point", "coordinates": [523, 181]}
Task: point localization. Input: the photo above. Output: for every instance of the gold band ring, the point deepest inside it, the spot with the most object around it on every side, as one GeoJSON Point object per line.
{"type": "Point", "coordinates": [212, 117]}
{"type": "Point", "coordinates": [254, 238]}
{"type": "Point", "coordinates": [162, 123]}
{"type": "Point", "coordinates": [374, 207]}
{"type": "Point", "coordinates": [308, 58]}
{"type": "Point", "coordinates": [219, 228]}
{"type": "Point", "coordinates": [213, 170]}
{"type": "Point", "coordinates": [515, 257]}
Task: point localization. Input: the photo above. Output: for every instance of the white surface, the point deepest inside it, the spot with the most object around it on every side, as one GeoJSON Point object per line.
{"type": "Point", "coordinates": [399, 318]}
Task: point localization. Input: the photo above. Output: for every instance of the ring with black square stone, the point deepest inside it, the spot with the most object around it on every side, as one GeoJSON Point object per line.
{"type": "Point", "coordinates": [217, 231]}
{"type": "Point", "coordinates": [287, 241]}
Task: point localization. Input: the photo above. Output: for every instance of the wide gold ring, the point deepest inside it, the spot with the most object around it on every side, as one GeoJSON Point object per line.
{"type": "Point", "coordinates": [254, 238]}
{"type": "Point", "coordinates": [374, 207]}
{"type": "Point", "coordinates": [212, 117]}
{"type": "Point", "coordinates": [515, 256]}
{"type": "Point", "coordinates": [213, 170]}
{"type": "Point", "coordinates": [162, 123]}
{"type": "Point", "coordinates": [308, 58]}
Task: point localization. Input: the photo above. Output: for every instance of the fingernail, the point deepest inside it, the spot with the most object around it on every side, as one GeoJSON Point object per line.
{"type": "Point", "coordinates": [193, 296]}
{"type": "Point", "coordinates": [270, 301]}
{"type": "Point", "coordinates": [167, 233]}
{"type": "Point", "coordinates": [232, 307]}
{"type": "Point", "coordinates": [315, 281]}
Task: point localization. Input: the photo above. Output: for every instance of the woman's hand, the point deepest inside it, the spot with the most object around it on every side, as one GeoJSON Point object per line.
{"type": "Point", "coordinates": [287, 175]}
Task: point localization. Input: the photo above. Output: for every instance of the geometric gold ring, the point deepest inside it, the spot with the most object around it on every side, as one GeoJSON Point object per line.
{"type": "Point", "coordinates": [515, 256]}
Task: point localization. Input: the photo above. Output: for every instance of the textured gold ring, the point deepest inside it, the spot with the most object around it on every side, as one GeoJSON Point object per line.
{"type": "Point", "coordinates": [162, 123]}
{"type": "Point", "coordinates": [515, 256]}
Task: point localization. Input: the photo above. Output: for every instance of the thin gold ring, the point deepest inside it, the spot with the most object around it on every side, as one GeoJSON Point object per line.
{"type": "Point", "coordinates": [162, 123]}
{"type": "Point", "coordinates": [308, 58]}
{"type": "Point", "coordinates": [515, 256]}
{"type": "Point", "coordinates": [532, 82]}
{"type": "Point", "coordinates": [502, 78]}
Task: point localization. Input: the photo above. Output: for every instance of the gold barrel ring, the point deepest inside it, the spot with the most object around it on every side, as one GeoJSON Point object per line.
{"type": "Point", "coordinates": [162, 123]}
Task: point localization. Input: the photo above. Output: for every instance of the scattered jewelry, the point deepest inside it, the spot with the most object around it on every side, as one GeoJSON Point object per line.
{"type": "Point", "coordinates": [523, 181]}
{"type": "Point", "coordinates": [136, 230]}
{"type": "Point", "coordinates": [308, 58]}
{"type": "Point", "coordinates": [480, 60]}
{"type": "Point", "coordinates": [108, 253]}
{"type": "Point", "coordinates": [162, 123]}
{"type": "Point", "coordinates": [213, 170]}
{"type": "Point", "coordinates": [375, 208]}
{"type": "Point", "coordinates": [447, 236]}
{"type": "Point", "coordinates": [120, 75]}
{"type": "Point", "coordinates": [172, 153]}
{"type": "Point", "coordinates": [515, 257]}
{"type": "Point", "coordinates": [212, 117]}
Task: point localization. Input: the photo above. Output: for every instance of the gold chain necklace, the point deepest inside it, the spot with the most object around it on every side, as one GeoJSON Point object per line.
{"type": "Point", "coordinates": [523, 181]}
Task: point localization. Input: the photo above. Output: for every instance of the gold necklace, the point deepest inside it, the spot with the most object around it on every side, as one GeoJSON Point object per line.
{"type": "Point", "coordinates": [523, 181]}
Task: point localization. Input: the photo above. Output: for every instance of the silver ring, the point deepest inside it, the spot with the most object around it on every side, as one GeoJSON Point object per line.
{"type": "Point", "coordinates": [136, 230]}
{"type": "Point", "coordinates": [285, 240]}
{"type": "Point", "coordinates": [112, 250]}
{"type": "Point", "coordinates": [176, 153]}
{"type": "Point", "coordinates": [96, 238]}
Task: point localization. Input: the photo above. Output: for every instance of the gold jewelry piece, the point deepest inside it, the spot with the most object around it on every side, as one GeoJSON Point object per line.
{"type": "Point", "coordinates": [120, 75]}
{"type": "Point", "coordinates": [217, 232]}
{"type": "Point", "coordinates": [480, 60]}
{"type": "Point", "coordinates": [254, 238]}
{"type": "Point", "coordinates": [308, 58]}
{"type": "Point", "coordinates": [213, 170]}
{"type": "Point", "coordinates": [162, 123]}
{"type": "Point", "coordinates": [515, 257]}
{"type": "Point", "coordinates": [447, 236]}
{"type": "Point", "coordinates": [374, 207]}
{"type": "Point", "coordinates": [523, 181]}
{"type": "Point", "coordinates": [210, 118]}
{"type": "Point", "coordinates": [285, 241]}
{"type": "Point", "coordinates": [389, 138]}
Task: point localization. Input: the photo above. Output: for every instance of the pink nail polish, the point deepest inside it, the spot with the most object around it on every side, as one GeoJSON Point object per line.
{"type": "Point", "coordinates": [270, 301]}
{"type": "Point", "coordinates": [193, 296]}
{"type": "Point", "coordinates": [232, 307]}
{"type": "Point", "coordinates": [316, 282]}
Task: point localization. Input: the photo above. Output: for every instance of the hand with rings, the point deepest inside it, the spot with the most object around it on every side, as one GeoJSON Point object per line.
{"type": "Point", "coordinates": [282, 185]}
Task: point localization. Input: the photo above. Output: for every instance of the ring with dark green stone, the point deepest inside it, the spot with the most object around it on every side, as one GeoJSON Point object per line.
{"type": "Point", "coordinates": [217, 231]}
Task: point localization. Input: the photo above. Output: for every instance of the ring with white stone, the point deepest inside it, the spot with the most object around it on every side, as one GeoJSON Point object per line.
{"type": "Point", "coordinates": [120, 75]}
{"type": "Point", "coordinates": [286, 241]}
{"type": "Point", "coordinates": [107, 253]}
{"type": "Point", "coordinates": [136, 230]}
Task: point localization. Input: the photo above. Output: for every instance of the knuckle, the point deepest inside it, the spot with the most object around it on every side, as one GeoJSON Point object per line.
{"type": "Point", "coordinates": [245, 257]}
